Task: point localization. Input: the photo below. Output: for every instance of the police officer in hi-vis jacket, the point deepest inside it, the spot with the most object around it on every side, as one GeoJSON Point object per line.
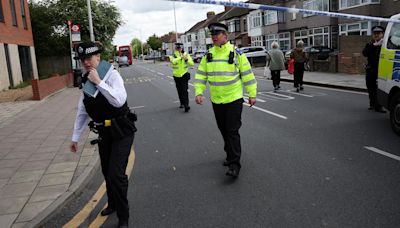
{"type": "Point", "coordinates": [181, 62]}
{"type": "Point", "coordinates": [227, 70]}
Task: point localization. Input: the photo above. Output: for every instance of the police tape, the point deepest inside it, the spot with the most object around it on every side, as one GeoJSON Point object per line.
{"type": "Point", "coordinates": [288, 9]}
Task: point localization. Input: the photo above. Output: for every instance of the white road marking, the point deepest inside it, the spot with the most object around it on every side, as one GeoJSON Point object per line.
{"type": "Point", "coordinates": [257, 99]}
{"type": "Point", "coordinates": [296, 93]}
{"type": "Point", "coordinates": [160, 73]}
{"type": "Point", "coordinates": [276, 96]}
{"type": "Point", "coordinates": [136, 107]}
{"type": "Point", "coordinates": [266, 111]}
{"type": "Point", "coordinates": [170, 77]}
{"type": "Point", "coordinates": [376, 150]}
{"type": "Point", "coordinates": [191, 84]}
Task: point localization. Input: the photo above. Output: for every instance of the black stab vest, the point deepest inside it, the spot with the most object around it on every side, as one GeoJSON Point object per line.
{"type": "Point", "coordinates": [99, 109]}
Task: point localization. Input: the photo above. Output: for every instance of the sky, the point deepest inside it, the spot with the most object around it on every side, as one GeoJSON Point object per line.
{"type": "Point", "coordinates": [143, 18]}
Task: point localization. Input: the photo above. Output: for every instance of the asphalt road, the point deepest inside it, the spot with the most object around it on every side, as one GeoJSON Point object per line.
{"type": "Point", "coordinates": [310, 159]}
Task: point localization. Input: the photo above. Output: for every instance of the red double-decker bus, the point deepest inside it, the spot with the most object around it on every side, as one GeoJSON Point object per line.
{"type": "Point", "coordinates": [126, 51]}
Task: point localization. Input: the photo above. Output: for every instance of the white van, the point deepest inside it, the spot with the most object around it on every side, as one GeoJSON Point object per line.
{"type": "Point", "coordinates": [389, 73]}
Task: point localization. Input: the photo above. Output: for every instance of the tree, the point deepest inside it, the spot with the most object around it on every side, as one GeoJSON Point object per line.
{"type": "Point", "coordinates": [50, 15]}
{"type": "Point", "coordinates": [154, 42]}
{"type": "Point", "coordinates": [136, 46]}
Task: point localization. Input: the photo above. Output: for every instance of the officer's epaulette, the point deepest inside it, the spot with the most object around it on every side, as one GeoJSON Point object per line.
{"type": "Point", "coordinates": [238, 51]}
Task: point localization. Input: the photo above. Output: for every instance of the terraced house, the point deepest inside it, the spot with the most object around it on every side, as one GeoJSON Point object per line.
{"type": "Point", "coordinates": [17, 52]}
{"type": "Point", "coordinates": [345, 37]}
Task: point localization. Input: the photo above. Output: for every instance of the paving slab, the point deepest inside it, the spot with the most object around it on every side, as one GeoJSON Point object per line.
{"type": "Point", "coordinates": [48, 193]}
{"type": "Point", "coordinates": [35, 165]}
{"type": "Point", "coordinates": [6, 221]}
{"type": "Point", "coordinates": [16, 190]}
{"type": "Point", "coordinates": [32, 209]}
{"type": "Point", "coordinates": [26, 176]}
{"type": "Point", "coordinates": [56, 179]}
{"type": "Point", "coordinates": [12, 205]}
{"type": "Point", "coordinates": [61, 167]}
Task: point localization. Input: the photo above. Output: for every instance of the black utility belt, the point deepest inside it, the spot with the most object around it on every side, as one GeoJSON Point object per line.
{"type": "Point", "coordinates": [119, 127]}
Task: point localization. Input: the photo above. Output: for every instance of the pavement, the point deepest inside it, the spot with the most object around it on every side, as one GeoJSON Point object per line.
{"type": "Point", "coordinates": [38, 173]}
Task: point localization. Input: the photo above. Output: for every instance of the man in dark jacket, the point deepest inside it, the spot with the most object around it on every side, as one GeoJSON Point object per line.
{"type": "Point", "coordinates": [372, 51]}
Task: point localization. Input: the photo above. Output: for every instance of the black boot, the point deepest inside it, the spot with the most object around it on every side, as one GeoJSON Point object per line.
{"type": "Point", "coordinates": [107, 211]}
{"type": "Point", "coordinates": [233, 170]}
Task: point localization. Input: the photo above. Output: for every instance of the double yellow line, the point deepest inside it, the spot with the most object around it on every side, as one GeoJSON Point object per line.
{"type": "Point", "coordinates": [82, 215]}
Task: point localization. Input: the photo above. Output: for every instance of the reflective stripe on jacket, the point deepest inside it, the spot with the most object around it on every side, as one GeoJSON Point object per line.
{"type": "Point", "coordinates": [225, 80]}
{"type": "Point", "coordinates": [179, 65]}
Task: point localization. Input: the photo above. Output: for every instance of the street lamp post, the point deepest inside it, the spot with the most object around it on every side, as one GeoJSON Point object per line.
{"type": "Point", "coordinates": [90, 21]}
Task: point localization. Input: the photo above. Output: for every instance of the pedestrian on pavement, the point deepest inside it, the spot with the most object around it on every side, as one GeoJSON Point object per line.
{"type": "Point", "coordinates": [181, 62]}
{"type": "Point", "coordinates": [372, 51]}
{"type": "Point", "coordinates": [276, 63]}
{"type": "Point", "coordinates": [114, 122]}
{"type": "Point", "coordinates": [226, 69]}
{"type": "Point", "coordinates": [300, 58]}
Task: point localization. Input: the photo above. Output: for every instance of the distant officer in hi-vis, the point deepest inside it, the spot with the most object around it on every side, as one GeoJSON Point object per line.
{"type": "Point", "coordinates": [181, 62]}
{"type": "Point", "coordinates": [226, 69]}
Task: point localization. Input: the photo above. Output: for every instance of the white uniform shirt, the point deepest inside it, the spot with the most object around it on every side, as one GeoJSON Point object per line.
{"type": "Point", "coordinates": [112, 89]}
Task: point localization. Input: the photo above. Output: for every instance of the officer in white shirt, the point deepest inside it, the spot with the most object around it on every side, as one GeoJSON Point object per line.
{"type": "Point", "coordinates": [114, 122]}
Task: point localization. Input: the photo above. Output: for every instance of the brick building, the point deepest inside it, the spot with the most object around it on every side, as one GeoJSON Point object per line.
{"type": "Point", "coordinates": [17, 52]}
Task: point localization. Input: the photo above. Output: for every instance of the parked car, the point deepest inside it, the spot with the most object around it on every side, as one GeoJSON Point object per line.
{"type": "Point", "coordinates": [123, 61]}
{"type": "Point", "coordinates": [198, 55]}
{"type": "Point", "coordinates": [318, 52]}
{"type": "Point", "coordinates": [254, 51]}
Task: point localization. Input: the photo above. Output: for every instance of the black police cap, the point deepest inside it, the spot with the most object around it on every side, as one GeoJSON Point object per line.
{"type": "Point", "coordinates": [178, 45]}
{"type": "Point", "coordinates": [87, 49]}
{"type": "Point", "coordinates": [217, 27]}
{"type": "Point", "coordinates": [378, 28]}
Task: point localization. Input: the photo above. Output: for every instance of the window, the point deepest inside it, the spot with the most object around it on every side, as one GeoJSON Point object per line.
{"type": "Point", "coordinates": [189, 38]}
{"type": "Point", "coordinates": [13, 13]}
{"type": "Point", "coordinates": [301, 35]}
{"type": "Point", "coordinates": [234, 26]}
{"type": "Point", "coordinates": [394, 37]}
{"type": "Point", "coordinates": [352, 3]}
{"type": "Point", "coordinates": [320, 5]}
{"type": "Point", "coordinates": [1, 12]}
{"type": "Point", "coordinates": [269, 39]}
{"type": "Point", "coordinates": [244, 25]}
{"type": "Point", "coordinates": [255, 20]}
{"type": "Point", "coordinates": [319, 36]}
{"type": "Point", "coordinates": [23, 14]}
{"type": "Point", "coordinates": [257, 41]}
{"type": "Point", "coordinates": [195, 37]}
{"type": "Point", "coordinates": [358, 29]}
{"type": "Point", "coordinates": [270, 17]}
{"type": "Point", "coordinates": [284, 41]}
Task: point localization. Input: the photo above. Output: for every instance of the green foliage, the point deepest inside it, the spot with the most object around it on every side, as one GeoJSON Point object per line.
{"type": "Point", "coordinates": [136, 46]}
{"type": "Point", "coordinates": [50, 30]}
{"type": "Point", "coordinates": [154, 42]}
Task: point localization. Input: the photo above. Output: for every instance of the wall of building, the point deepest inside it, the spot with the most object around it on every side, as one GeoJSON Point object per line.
{"type": "Point", "coordinates": [15, 63]}
{"type": "Point", "coordinates": [4, 81]}
{"type": "Point", "coordinates": [11, 34]}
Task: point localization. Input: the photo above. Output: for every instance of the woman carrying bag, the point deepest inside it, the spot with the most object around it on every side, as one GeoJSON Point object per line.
{"type": "Point", "coordinates": [276, 63]}
{"type": "Point", "coordinates": [300, 58]}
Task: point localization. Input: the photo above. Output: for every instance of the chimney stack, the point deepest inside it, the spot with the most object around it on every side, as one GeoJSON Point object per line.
{"type": "Point", "coordinates": [210, 14]}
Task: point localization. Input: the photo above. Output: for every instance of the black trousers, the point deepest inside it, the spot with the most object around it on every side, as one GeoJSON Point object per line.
{"type": "Point", "coordinates": [298, 74]}
{"type": "Point", "coordinates": [114, 156]}
{"type": "Point", "coordinates": [182, 88]}
{"type": "Point", "coordinates": [276, 77]}
{"type": "Point", "coordinates": [229, 121]}
{"type": "Point", "coordinates": [372, 86]}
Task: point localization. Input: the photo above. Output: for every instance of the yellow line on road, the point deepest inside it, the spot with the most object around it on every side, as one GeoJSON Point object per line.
{"type": "Point", "coordinates": [101, 219]}
{"type": "Point", "coordinates": [82, 215]}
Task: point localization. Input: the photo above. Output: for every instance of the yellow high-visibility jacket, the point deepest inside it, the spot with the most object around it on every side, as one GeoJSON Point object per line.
{"type": "Point", "coordinates": [225, 79]}
{"type": "Point", "coordinates": [179, 65]}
